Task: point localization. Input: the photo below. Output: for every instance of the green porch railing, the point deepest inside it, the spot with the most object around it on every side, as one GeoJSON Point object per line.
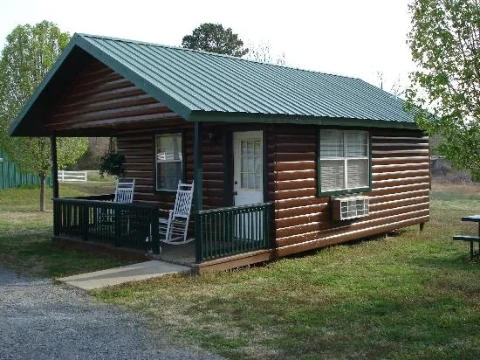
{"type": "Point", "coordinates": [93, 218]}
{"type": "Point", "coordinates": [233, 230]}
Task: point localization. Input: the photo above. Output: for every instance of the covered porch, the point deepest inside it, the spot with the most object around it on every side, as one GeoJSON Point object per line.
{"type": "Point", "coordinates": [220, 231]}
{"type": "Point", "coordinates": [217, 233]}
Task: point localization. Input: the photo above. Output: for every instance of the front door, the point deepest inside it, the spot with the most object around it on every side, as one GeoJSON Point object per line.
{"type": "Point", "coordinates": [248, 167]}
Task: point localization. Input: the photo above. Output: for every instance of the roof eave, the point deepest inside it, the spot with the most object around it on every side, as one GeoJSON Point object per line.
{"type": "Point", "coordinates": [210, 116]}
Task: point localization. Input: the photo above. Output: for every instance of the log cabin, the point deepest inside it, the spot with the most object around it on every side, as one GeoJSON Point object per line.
{"type": "Point", "coordinates": [294, 160]}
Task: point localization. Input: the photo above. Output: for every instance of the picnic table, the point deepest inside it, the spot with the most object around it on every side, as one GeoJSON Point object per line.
{"type": "Point", "coordinates": [470, 238]}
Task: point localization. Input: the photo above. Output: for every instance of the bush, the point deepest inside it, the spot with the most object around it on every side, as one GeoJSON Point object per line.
{"type": "Point", "coordinates": [112, 164]}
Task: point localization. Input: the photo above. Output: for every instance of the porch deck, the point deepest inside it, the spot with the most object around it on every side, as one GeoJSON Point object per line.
{"type": "Point", "coordinates": [219, 232]}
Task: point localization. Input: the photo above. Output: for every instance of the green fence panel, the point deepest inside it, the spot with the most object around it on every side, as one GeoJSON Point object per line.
{"type": "Point", "coordinates": [11, 176]}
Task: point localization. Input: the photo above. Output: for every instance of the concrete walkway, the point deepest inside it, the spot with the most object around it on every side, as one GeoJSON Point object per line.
{"type": "Point", "coordinates": [123, 274]}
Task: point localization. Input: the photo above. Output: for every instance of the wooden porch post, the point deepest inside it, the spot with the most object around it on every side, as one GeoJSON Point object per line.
{"type": "Point", "coordinates": [53, 149]}
{"type": "Point", "coordinates": [198, 188]}
{"type": "Point", "coordinates": [56, 212]}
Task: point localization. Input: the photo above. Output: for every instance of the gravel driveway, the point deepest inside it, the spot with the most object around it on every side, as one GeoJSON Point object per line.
{"type": "Point", "coordinates": [39, 320]}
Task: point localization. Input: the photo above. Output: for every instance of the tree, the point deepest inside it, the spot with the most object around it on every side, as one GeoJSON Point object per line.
{"type": "Point", "coordinates": [396, 87]}
{"type": "Point", "coordinates": [444, 42]}
{"type": "Point", "coordinates": [263, 53]}
{"type": "Point", "coordinates": [215, 38]}
{"type": "Point", "coordinates": [29, 53]}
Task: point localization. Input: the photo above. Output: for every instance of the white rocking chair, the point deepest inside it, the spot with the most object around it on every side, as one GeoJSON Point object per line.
{"type": "Point", "coordinates": [173, 230]}
{"type": "Point", "coordinates": [124, 191]}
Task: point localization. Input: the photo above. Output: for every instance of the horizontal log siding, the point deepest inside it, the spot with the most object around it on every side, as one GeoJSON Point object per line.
{"type": "Point", "coordinates": [101, 99]}
{"type": "Point", "coordinates": [399, 196]}
{"type": "Point", "coordinates": [138, 149]}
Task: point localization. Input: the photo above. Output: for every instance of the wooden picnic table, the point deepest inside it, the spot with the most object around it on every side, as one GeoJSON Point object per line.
{"type": "Point", "coordinates": [470, 238]}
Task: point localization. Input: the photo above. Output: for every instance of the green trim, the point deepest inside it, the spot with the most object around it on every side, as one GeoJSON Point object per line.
{"type": "Point", "coordinates": [265, 165]}
{"type": "Point", "coordinates": [345, 192]}
{"type": "Point", "coordinates": [198, 189]}
{"type": "Point", "coordinates": [165, 190]}
{"type": "Point", "coordinates": [370, 172]}
{"type": "Point", "coordinates": [321, 193]}
{"type": "Point", "coordinates": [213, 116]}
{"type": "Point", "coordinates": [238, 207]}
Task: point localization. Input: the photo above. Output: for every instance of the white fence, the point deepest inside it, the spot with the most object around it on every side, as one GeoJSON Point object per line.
{"type": "Point", "coordinates": [70, 176]}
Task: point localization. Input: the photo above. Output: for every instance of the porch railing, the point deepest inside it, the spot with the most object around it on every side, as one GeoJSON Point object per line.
{"type": "Point", "coordinates": [233, 230]}
{"type": "Point", "coordinates": [90, 218]}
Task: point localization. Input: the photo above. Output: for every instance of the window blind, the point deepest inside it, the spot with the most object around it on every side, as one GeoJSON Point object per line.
{"type": "Point", "coordinates": [344, 160]}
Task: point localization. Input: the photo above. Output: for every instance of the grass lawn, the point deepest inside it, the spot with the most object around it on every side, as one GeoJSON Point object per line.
{"type": "Point", "coordinates": [404, 296]}
{"type": "Point", "coordinates": [25, 234]}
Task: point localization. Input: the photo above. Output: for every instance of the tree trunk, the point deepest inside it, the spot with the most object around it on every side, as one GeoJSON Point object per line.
{"type": "Point", "coordinates": [42, 192]}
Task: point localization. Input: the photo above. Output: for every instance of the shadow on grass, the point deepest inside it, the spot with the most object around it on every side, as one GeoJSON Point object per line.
{"type": "Point", "coordinates": [349, 244]}
{"type": "Point", "coordinates": [35, 254]}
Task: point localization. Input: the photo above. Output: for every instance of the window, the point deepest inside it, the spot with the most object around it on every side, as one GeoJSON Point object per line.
{"type": "Point", "coordinates": [251, 164]}
{"type": "Point", "coordinates": [344, 160]}
{"type": "Point", "coordinates": [169, 161]}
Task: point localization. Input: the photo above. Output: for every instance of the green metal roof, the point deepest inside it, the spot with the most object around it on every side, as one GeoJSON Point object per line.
{"type": "Point", "coordinates": [202, 86]}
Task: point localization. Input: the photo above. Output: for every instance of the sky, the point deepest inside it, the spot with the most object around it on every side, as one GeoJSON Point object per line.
{"type": "Point", "coordinates": [346, 37]}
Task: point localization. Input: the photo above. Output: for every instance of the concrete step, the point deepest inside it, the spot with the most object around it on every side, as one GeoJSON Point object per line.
{"type": "Point", "coordinates": [124, 274]}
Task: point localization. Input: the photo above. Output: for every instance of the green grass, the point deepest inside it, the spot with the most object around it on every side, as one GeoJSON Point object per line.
{"type": "Point", "coordinates": [409, 295]}
{"type": "Point", "coordinates": [25, 234]}
{"type": "Point", "coordinates": [94, 175]}
{"type": "Point", "coordinates": [406, 296]}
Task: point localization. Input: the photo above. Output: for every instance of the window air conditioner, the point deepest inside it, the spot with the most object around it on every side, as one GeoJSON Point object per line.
{"type": "Point", "coordinates": [352, 207]}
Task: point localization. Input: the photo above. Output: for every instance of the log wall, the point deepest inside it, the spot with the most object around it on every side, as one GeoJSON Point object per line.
{"type": "Point", "coordinates": [399, 196]}
{"type": "Point", "coordinates": [100, 100]}
{"type": "Point", "coordinates": [139, 149]}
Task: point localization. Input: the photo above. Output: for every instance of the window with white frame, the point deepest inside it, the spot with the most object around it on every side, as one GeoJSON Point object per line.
{"type": "Point", "coordinates": [344, 160]}
{"type": "Point", "coordinates": [169, 161]}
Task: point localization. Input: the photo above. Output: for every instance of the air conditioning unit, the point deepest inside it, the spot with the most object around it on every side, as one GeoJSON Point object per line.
{"type": "Point", "coordinates": [351, 207]}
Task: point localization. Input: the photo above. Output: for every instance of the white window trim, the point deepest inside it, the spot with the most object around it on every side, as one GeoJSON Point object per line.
{"type": "Point", "coordinates": [345, 162]}
{"type": "Point", "coordinates": [181, 160]}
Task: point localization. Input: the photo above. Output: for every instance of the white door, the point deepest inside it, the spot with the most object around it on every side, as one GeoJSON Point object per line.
{"type": "Point", "coordinates": [248, 167]}
{"type": "Point", "coordinates": [247, 183]}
